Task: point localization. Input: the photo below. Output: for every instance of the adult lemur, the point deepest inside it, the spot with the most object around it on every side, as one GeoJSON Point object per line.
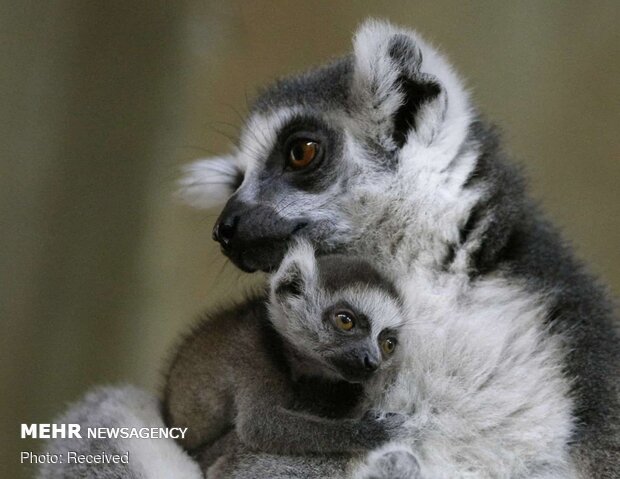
{"type": "Point", "coordinates": [324, 339]}
{"type": "Point", "coordinates": [381, 154]}
{"type": "Point", "coordinates": [514, 362]}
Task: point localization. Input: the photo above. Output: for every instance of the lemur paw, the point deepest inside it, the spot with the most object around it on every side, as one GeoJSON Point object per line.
{"type": "Point", "coordinates": [394, 464]}
{"type": "Point", "coordinates": [377, 427]}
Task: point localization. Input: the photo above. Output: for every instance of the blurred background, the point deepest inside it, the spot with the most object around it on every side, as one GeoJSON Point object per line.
{"type": "Point", "coordinates": [102, 101]}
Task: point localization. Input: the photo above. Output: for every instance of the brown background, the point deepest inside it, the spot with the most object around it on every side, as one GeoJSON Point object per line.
{"type": "Point", "coordinates": [102, 101]}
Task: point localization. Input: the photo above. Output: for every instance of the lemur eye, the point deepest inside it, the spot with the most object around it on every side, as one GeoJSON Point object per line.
{"type": "Point", "coordinates": [344, 320]}
{"type": "Point", "coordinates": [302, 152]}
{"type": "Point", "coordinates": [388, 345]}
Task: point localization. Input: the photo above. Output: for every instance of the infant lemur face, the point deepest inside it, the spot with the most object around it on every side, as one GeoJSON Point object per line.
{"type": "Point", "coordinates": [354, 350]}
{"type": "Point", "coordinates": [337, 311]}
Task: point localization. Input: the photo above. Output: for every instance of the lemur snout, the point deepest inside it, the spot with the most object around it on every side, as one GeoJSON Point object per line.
{"type": "Point", "coordinates": [371, 363]}
{"type": "Point", "coordinates": [359, 365]}
{"type": "Point", "coordinates": [254, 236]}
{"type": "Point", "coordinates": [224, 230]}
{"type": "Point", "coordinates": [227, 225]}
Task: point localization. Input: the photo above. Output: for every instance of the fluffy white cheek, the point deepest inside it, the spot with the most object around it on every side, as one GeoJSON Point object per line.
{"type": "Point", "coordinates": [209, 183]}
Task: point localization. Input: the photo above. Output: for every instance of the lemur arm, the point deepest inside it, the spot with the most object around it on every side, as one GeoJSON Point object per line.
{"type": "Point", "coordinates": [270, 427]}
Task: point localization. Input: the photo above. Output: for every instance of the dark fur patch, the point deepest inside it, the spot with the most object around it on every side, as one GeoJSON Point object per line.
{"type": "Point", "coordinates": [277, 177]}
{"type": "Point", "coordinates": [238, 180]}
{"type": "Point", "coordinates": [416, 93]}
{"type": "Point", "coordinates": [408, 57]}
{"type": "Point", "coordinates": [333, 399]}
{"type": "Point", "coordinates": [274, 345]}
{"type": "Point", "coordinates": [325, 87]}
{"type": "Point", "coordinates": [405, 52]}
{"type": "Point", "coordinates": [337, 271]}
{"type": "Point", "coordinates": [503, 205]}
{"type": "Point", "coordinates": [449, 257]}
{"type": "Point", "coordinates": [475, 215]}
{"type": "Point", "coordinates": [293, 284]}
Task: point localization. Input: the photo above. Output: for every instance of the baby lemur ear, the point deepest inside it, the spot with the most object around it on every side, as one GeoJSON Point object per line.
{"type": "Point", "coordinates": [210, 182]}
{"type": "Point", "coordinates": [297, 274]}
{"type": "Point", "coordinates": [397, 84]}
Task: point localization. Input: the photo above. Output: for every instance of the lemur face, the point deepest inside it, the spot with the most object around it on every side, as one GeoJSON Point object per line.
{"type": "Point", "coordinates": [321, 153]}
{"type": "Point", "coordinates": [296, 188]}
{"type": "Point", "coordinates": [337, 312]}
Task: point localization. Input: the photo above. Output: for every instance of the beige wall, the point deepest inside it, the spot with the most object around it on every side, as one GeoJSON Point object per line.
{"type": "Point", "coordinates": [100, 269]}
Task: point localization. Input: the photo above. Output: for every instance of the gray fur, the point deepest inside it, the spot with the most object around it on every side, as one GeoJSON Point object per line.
{"type": "Point", "coordinates": [240, 368]}
{"type": "Point", "coordinates": [234, 460]}
{"type": "Point", "coordinates": [412, 177]}
{"type": "Point", "coordinates": [515, 367]}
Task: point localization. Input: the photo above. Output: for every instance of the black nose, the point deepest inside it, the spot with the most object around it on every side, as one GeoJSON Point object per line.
{"type": "Point", "coordinates": [224, 230]}
{"type": "Point", "coordinates": [370, 363]}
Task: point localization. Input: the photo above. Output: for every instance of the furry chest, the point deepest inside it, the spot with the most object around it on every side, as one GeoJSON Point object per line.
{"type": "Point", "coordinates": [482, 379]}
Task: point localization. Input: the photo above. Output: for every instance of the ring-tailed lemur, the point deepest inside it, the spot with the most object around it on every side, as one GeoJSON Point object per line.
{"type": "Point", "coordinates": [268, 368]}
{"type": "Point", "coordinates": [381, 154]}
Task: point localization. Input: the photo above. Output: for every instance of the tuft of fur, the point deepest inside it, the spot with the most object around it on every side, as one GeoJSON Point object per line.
{"type": "Point", "coordinates": [483, 381]}
{"type": "Point", "coordinates": [123, 406]}
{"type": "Point", "coordinates": [393, 461]}
{"type": "Point", "coordinates": [209, 183]}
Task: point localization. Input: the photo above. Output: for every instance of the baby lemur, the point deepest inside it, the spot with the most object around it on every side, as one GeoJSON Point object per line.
{"type": "Point", "coordinates": [275, 369]}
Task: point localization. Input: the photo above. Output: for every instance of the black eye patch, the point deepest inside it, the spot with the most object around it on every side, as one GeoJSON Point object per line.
{"type": "Point", "coordinates": [321, 172]}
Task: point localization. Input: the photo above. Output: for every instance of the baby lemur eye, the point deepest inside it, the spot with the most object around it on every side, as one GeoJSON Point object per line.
{"type": "Point", "coordinates": [388, 345]}
{"type": "Point", "coordinates": [302, 152]}
{"type": "Point", "coordinates": [344, 320]}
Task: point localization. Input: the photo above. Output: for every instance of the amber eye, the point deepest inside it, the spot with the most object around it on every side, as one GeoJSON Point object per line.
{"type": "Point", "coordinates": [302, 153]}
{"type": "Point", "coordinates": [344, 320]}
{"type": "Point", "coordinates": [388, 345]}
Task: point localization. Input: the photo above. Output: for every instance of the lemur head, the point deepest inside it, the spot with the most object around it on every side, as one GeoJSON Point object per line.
{"type": "Point", "coordinates": [346, 156]}
{"type": "Point", "coordinates": [337, 313]}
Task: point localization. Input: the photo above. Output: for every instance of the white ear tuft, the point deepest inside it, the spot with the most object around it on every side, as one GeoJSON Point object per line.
{"type": "Point", "coordinates": [297, 272]}
{"type": "Point", "coordinates": [210, 182]}
{"type": "Point", "coordinates": [405, 88]}
{"type": "Point", "coordinates": [375, 73]}
{"type": "Point", "coordinates": [374, 66]}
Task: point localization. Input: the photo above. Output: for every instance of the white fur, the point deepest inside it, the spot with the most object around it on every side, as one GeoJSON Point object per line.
{"type": "Point", "coordinates": [482, 380]}
{"type": "Point", "coordinates": [371, 467]}
{"type": "Point", "coordinates": [259, 135]}
{"type": "Point", "coordinates": [299, 259]}
{"type": "Point", "coordinates": [208, 183]}
{"type": "Point", "coordinates": [424, 199]}
{"type": "Point", "coordinates": [442, 123]}
{"type": "Point", "coordinates": [155, 456]}
{"type": "Point", "coordinates": [298, 317]}
{"type": "Point", "coordinates": [374, 80]}
{"type": "Point", "coordinates": [121, 407]}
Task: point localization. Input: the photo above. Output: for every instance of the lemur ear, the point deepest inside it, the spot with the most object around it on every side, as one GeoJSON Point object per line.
{"type": "Point", "coordinates": [394, 84]}
{"type": "Point", "coordinates": [297, 273]}
{"type": "Point", "coordinates": [209, 182]}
